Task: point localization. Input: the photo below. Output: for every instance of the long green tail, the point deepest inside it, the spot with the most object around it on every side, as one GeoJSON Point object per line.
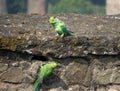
{"type": "Point", "coordinates": [71, 34]}
{"type": "Point", "coordinates": [37, 84]}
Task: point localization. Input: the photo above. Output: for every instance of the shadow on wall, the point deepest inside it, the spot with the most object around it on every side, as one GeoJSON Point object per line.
{"type": "Point", "coordinates": [54, 81]}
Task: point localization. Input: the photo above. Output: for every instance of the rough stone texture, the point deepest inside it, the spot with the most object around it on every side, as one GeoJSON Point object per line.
{"type": "Point", "coordinates": [34, 35]}
{"type": "Point", "coordinates": [109, 76]}
{"type": "Point", "coordinates": [16, 87]}
{"type": "Point", "coordinates": [88, 62]}
{"type": "Point", "coordinates": [109, 88]}
{"type": "Point", "coordinates": [3, 67]}
{"type": "Point", "coordinates": [77, 74]}
{"type": "Point", "coordinates": [13, 74]}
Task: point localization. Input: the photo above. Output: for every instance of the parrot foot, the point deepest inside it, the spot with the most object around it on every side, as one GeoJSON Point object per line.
{"type": "Point", "coordinates": [57, 34]}
{"type": "Point", "coordinates": [62, 36]}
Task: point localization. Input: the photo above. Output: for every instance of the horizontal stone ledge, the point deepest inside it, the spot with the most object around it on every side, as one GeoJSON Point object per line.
{"type": "Point", "coordinates": [97, 35]}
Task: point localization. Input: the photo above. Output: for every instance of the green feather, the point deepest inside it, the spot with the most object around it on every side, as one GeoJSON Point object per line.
{"type": "Point", "coordinates": [59, 27]}
{"type": "Point", "coordinates": [37, 84]}
{"type": "Point", "coordinates": [45, 71]}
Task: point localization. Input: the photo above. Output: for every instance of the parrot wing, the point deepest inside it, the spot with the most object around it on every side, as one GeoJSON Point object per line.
{"type": "Point", "coordinates": [64, 30]}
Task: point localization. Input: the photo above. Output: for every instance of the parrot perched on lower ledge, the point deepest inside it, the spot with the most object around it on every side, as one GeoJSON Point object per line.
{"type": "Point", "coordinates": [45, 71]}
{"type": "Point", "coordinates": [60, 27]}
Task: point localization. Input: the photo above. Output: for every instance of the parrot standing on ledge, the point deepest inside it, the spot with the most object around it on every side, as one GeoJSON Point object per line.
{"type": "Point", "coordinates": [45, 71]}
{"type": "Point", "coordinates": [60, 27]}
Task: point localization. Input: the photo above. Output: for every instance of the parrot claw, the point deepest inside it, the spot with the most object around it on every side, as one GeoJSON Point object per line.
{"type": "Point", "coordinates": [62, 36]}
{"type": "Point", "coordinates": [57, 34]}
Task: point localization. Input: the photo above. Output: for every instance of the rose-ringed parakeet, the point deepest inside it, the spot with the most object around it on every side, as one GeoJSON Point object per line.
{"type": "Point", "coordinates": [60, 27]}
{"type": "Point", "coordinates": [45, 71]}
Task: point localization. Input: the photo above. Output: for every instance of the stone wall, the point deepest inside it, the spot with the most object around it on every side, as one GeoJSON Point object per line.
{"type": "Point", "coordinates": [88, 62]}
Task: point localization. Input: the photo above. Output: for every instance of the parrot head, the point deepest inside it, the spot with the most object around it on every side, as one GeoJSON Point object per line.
{"type": "Point", "coordinates": [53, 64]}
{"type": "Point", "coordinates": [53, 20]}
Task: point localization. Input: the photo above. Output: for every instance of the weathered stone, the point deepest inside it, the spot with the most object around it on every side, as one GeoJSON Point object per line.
{"type": "Point", "coordinates": [28, 79]}
{"type": "Point", "coordinates": [75, 72]}
{"type": "Point", "coordinates": [13, 75]}
{"type": "Point", "coordinates": [104, 78]}
{"type": "Point", "coordinates": [116, 76]}
{"type": "Point", "coordinates": [109, 76]}
{"type": "Point", "coordinates": [56, 89]}
{"type": "Point", "coordinates": [109, 88]}
{"type": "Point", "coordinates": [91, 72]}
{"type": "Point", "coordinates": [101, 89]}
{"type": "Point", "coordinates": [25, 65]}
{"type": "Point", "coordinates": [3, 67]}
{"type": "Point", "coordinates": [110, 62]}
{"type": "Point", "coordinates": [88, 62]}
{"type": "Point", "coordinates": [34, 69]}
{"type": "Point", "coordinates": [114, 88]}
{"type": "Point", "coordinates": [35, 36]}
{"type": "Point", "coordinates": [74, 88]}
{"type": "Point", "coordinates": [15, 87]}
{"type": "Point", "coordinates": [15, 64]}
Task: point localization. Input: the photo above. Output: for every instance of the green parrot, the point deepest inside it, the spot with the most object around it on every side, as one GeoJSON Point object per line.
{"type": "Point", "coordinates": [45, 71]}
{"type": "Point", "coordinates": [60, 27]}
